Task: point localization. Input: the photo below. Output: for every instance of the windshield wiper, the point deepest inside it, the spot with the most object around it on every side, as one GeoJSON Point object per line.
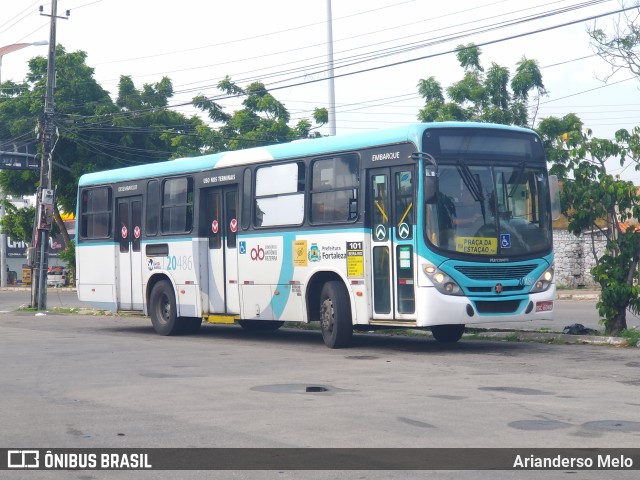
{"type": "Point", "coordinates": [473, 184]}
{"type": "Point", "coordinates": [470, 182]}
{"type": "Point", "coordinates": [516, 180]}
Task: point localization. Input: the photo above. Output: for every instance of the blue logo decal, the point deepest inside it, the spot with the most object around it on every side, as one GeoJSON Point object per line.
{"type": "Point", "coordinates": [243, 248]}
{"type": "Point", "coordinates": [505, 240]}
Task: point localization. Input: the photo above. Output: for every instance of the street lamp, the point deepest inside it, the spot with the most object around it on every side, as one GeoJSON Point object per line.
{"type": "Point", "coordinates": [17, 46]}
{"type": "Point", "coordinates": [3, 238]}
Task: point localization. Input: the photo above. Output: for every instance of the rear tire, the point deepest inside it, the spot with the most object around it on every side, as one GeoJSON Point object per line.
{"type": "Point", "coordinates": [162, 309]}
{"type": "Point", "coordinates": [447, 333]}
{"type": "Point", "coordinates": [260, 325]}
{"type": "Point", "coordinates": [335, 315]}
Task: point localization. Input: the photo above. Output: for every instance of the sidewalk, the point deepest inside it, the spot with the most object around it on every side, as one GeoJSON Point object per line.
{"type": "Point", "coordinates": [579, 294]}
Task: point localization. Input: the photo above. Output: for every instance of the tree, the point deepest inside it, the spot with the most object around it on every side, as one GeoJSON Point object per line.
{"type": "Point", "coordinates": [594, 200]}
{"type": "Point", "coordinates": [93, 132]}
{"type": "Point", "coordinates": [263, 120]}
{"type": "Point", "coordinates": [483, 96]}
{"type": "Point", "coordinates": [18, 222]}
{"type": "Point", "coordinates": [620, 47]}
{"type": "Point", "coordinates": [96, 133]}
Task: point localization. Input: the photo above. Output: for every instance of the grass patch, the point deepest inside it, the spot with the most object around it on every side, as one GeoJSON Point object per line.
{"type": "Point", "coordinates": [67, 311]}
{"type": "Point", "coordinates": [302, 325]}
{"type": "Point", "coordinates": [631, 335]}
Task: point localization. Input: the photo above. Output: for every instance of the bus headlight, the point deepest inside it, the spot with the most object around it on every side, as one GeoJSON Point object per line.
{"type": "Point", "coordinates": [544, 281]}
{"type": "Point", "coordinates": [443, 282]}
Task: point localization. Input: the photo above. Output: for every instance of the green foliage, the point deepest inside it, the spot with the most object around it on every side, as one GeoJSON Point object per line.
{"type": "Point", "coordinates": [527, 78]}
{"type": "Point", "coordinates": [68, 256]}
{"type": "Point", "coordinates": [18, 222]}
{"type": "Point", "coordinates": [491, 96]}
{"type": "Point", "coordinates": [632, 336]}
{"type": "Point", "coordinates": [262, 121]}
{"type": "Point", "coordinates": [95, 133]}
{"type": "Point", "coordinates": [469, 57]}
{"type": "Point", "coordinates": [594, 200]}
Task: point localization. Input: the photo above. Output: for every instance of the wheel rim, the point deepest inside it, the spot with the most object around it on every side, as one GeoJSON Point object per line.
{"type": "Point", "coordinates": [165, 310]}
{"type": "Point", "coordinates": [327, 315]}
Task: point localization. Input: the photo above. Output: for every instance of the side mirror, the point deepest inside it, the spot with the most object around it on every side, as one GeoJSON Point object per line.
{"type": "Point", "coordinates": [554, 193]}
{"type": "Point", "coordinates": [430, 189]}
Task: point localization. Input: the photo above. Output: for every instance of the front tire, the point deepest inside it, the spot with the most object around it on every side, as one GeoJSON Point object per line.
{"type": "Point", "coordinates": [335, 315]}
{"type": "Point", "coordinates": [447, 333]}
{"type": "Point", "coordinates": [162, 309]}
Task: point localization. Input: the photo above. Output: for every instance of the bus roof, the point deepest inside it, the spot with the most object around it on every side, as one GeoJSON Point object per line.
{"type": "Point", "coordinates": [296, 148]}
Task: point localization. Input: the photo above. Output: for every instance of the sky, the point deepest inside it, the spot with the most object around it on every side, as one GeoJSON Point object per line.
{"type": "Point", "coordinates": [381, 50]}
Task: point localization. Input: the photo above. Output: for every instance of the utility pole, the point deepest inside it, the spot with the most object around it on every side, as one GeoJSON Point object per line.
{"type": "Point", "coordinates": [332, 92]}
{"type": "Point", "coordinates": [45, 197]}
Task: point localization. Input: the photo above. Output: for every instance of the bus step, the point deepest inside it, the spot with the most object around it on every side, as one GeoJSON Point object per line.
{"type": "Point", "coordinates": [221, 318]}
{"type": "Point", "coordinates": [397, 323]}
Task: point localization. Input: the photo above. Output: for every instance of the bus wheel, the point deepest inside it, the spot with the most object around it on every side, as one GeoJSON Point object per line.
{"type": "Point", "coordinates": [335, 315]}
{"type": "Point", "coordinates": [162, 308]}
{"type": "Point", "coordinates": [260, 325]}
{"type": "Point", "coordinates": [447, 333]}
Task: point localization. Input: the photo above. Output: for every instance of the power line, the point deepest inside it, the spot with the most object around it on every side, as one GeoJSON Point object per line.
{"type": "Point", "coordinates": [16, 16]}
{"type": "Point", "coordinates": [424, 57]}
{"type": "Point", "coordinates": [589, 90]}
{"type": "Point", "coordinates": [272, 87]}
{"type": "Point", "coordinates": [218, 98]}
{"type": "Point", "coordinates": [255, 37]}
{"type": "Point", "coordinates": [404, 48]}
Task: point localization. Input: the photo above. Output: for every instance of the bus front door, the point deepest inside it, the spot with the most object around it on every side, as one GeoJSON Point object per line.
{"type": "Point", "coordinates": [128, 234]}
{"type": "Point", "coordinates": [393, 216]}
{"type": "Point", "coordinates": [221, 217]}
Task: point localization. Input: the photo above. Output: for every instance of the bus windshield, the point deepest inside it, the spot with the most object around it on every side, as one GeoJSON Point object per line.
{"type": "Point", "coordinates": [490, 209]}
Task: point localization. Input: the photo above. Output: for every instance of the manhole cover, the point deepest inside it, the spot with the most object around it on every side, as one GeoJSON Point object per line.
{"type": "Point", "coordinates": [316, 389]}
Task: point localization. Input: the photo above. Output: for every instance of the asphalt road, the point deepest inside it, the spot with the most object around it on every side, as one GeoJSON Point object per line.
{"type": "Point", "coordinates": [82, 381]}
{"type": "Point", "coordinates": [567, 312]}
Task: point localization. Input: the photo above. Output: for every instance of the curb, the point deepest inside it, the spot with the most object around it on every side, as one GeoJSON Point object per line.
{"type": "Point", "coordinates": [28, 288]}
{"type": "Point", "coordinates": [577, 296]}
{"type": "Point", "coordinates": [549, 337]}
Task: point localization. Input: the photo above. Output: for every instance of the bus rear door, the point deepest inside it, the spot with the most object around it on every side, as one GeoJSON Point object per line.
{"type": "Point", "coordinates": [128, 235]}
{"type": "Point", "coordinates": [391, 197]}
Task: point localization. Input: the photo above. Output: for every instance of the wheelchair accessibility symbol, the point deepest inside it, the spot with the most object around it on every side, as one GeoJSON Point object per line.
{"type": "Point", "coordinates": [505, 240]}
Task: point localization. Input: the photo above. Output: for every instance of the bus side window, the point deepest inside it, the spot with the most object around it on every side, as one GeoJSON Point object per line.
{"type": "Point", "coordinates": [95, 213]}
{"type": "Point", "coordinates": [280, 195]}
{"type": "Point", "coordinates": [334, 189]}
{"type": "Point", "coordinates": [153, 204]}
{"type": "Point", "coordinates": [246, 199]}
{"type": "Point", "coordinates": [177, 205]}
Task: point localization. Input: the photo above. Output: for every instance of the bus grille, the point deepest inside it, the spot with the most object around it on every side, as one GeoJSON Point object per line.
{"type": "Point", "coordinates": [497, 272]}
{"type": "Point", "coordinates": [505, 289]}
{"type": "Point", "coordinates": [508, 306]}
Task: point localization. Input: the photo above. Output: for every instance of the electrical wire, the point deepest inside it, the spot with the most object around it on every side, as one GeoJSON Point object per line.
{"type": "Point", "coordinates": [271, 87]}
{"type": "Point", "coordinates": [16, 16]}
{"type": "Point", "coordinates": [363, 107]}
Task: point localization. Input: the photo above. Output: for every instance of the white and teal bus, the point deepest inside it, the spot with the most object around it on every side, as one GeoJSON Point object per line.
{"type": "Point", "coordinates": [426, 226]}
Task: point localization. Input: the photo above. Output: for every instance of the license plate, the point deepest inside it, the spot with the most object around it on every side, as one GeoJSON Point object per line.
{"type": "Point", "coordinates": [544, 306]}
